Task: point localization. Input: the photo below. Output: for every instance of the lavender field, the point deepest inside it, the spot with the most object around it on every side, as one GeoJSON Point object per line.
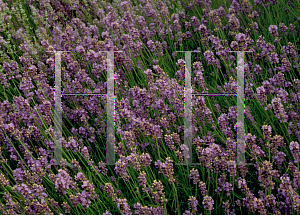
{"type": "Point", "coordinates": [143, 62]}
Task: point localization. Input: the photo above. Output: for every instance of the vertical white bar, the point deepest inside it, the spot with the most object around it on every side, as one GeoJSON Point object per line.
{"type": "Point", "coordinates": [188, 109]}
{"type": "Point", "coordinates": [240, 109]}
{"type": "Point", "coordinates": [110, 151]}
{"type": "Point", "coordinates": [58, 109]}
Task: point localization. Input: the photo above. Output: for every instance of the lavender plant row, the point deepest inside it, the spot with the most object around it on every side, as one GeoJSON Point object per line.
{"type": "Point", "coordinates": [128, 60]}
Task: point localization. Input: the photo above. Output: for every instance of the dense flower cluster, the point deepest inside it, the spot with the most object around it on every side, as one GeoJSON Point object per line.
{"type": "Point", "coordinates": [166, 168]}
{"type": "Point", "coordinates": [149, 107]}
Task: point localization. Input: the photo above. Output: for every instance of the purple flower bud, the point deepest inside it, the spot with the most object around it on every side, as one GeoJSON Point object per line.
{"type": "Point", "coordinates": [208, 203]}
{"type": "Point", "coordinates": [273, 30]}
{"type": "Point", "coordinates": [234, 23]}
{"type": "Point", "coordinates": [193, 202]}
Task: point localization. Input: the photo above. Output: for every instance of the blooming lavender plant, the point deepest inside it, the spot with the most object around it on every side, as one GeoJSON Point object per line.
{"type": "Point", "coordinates": [149, 107]}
